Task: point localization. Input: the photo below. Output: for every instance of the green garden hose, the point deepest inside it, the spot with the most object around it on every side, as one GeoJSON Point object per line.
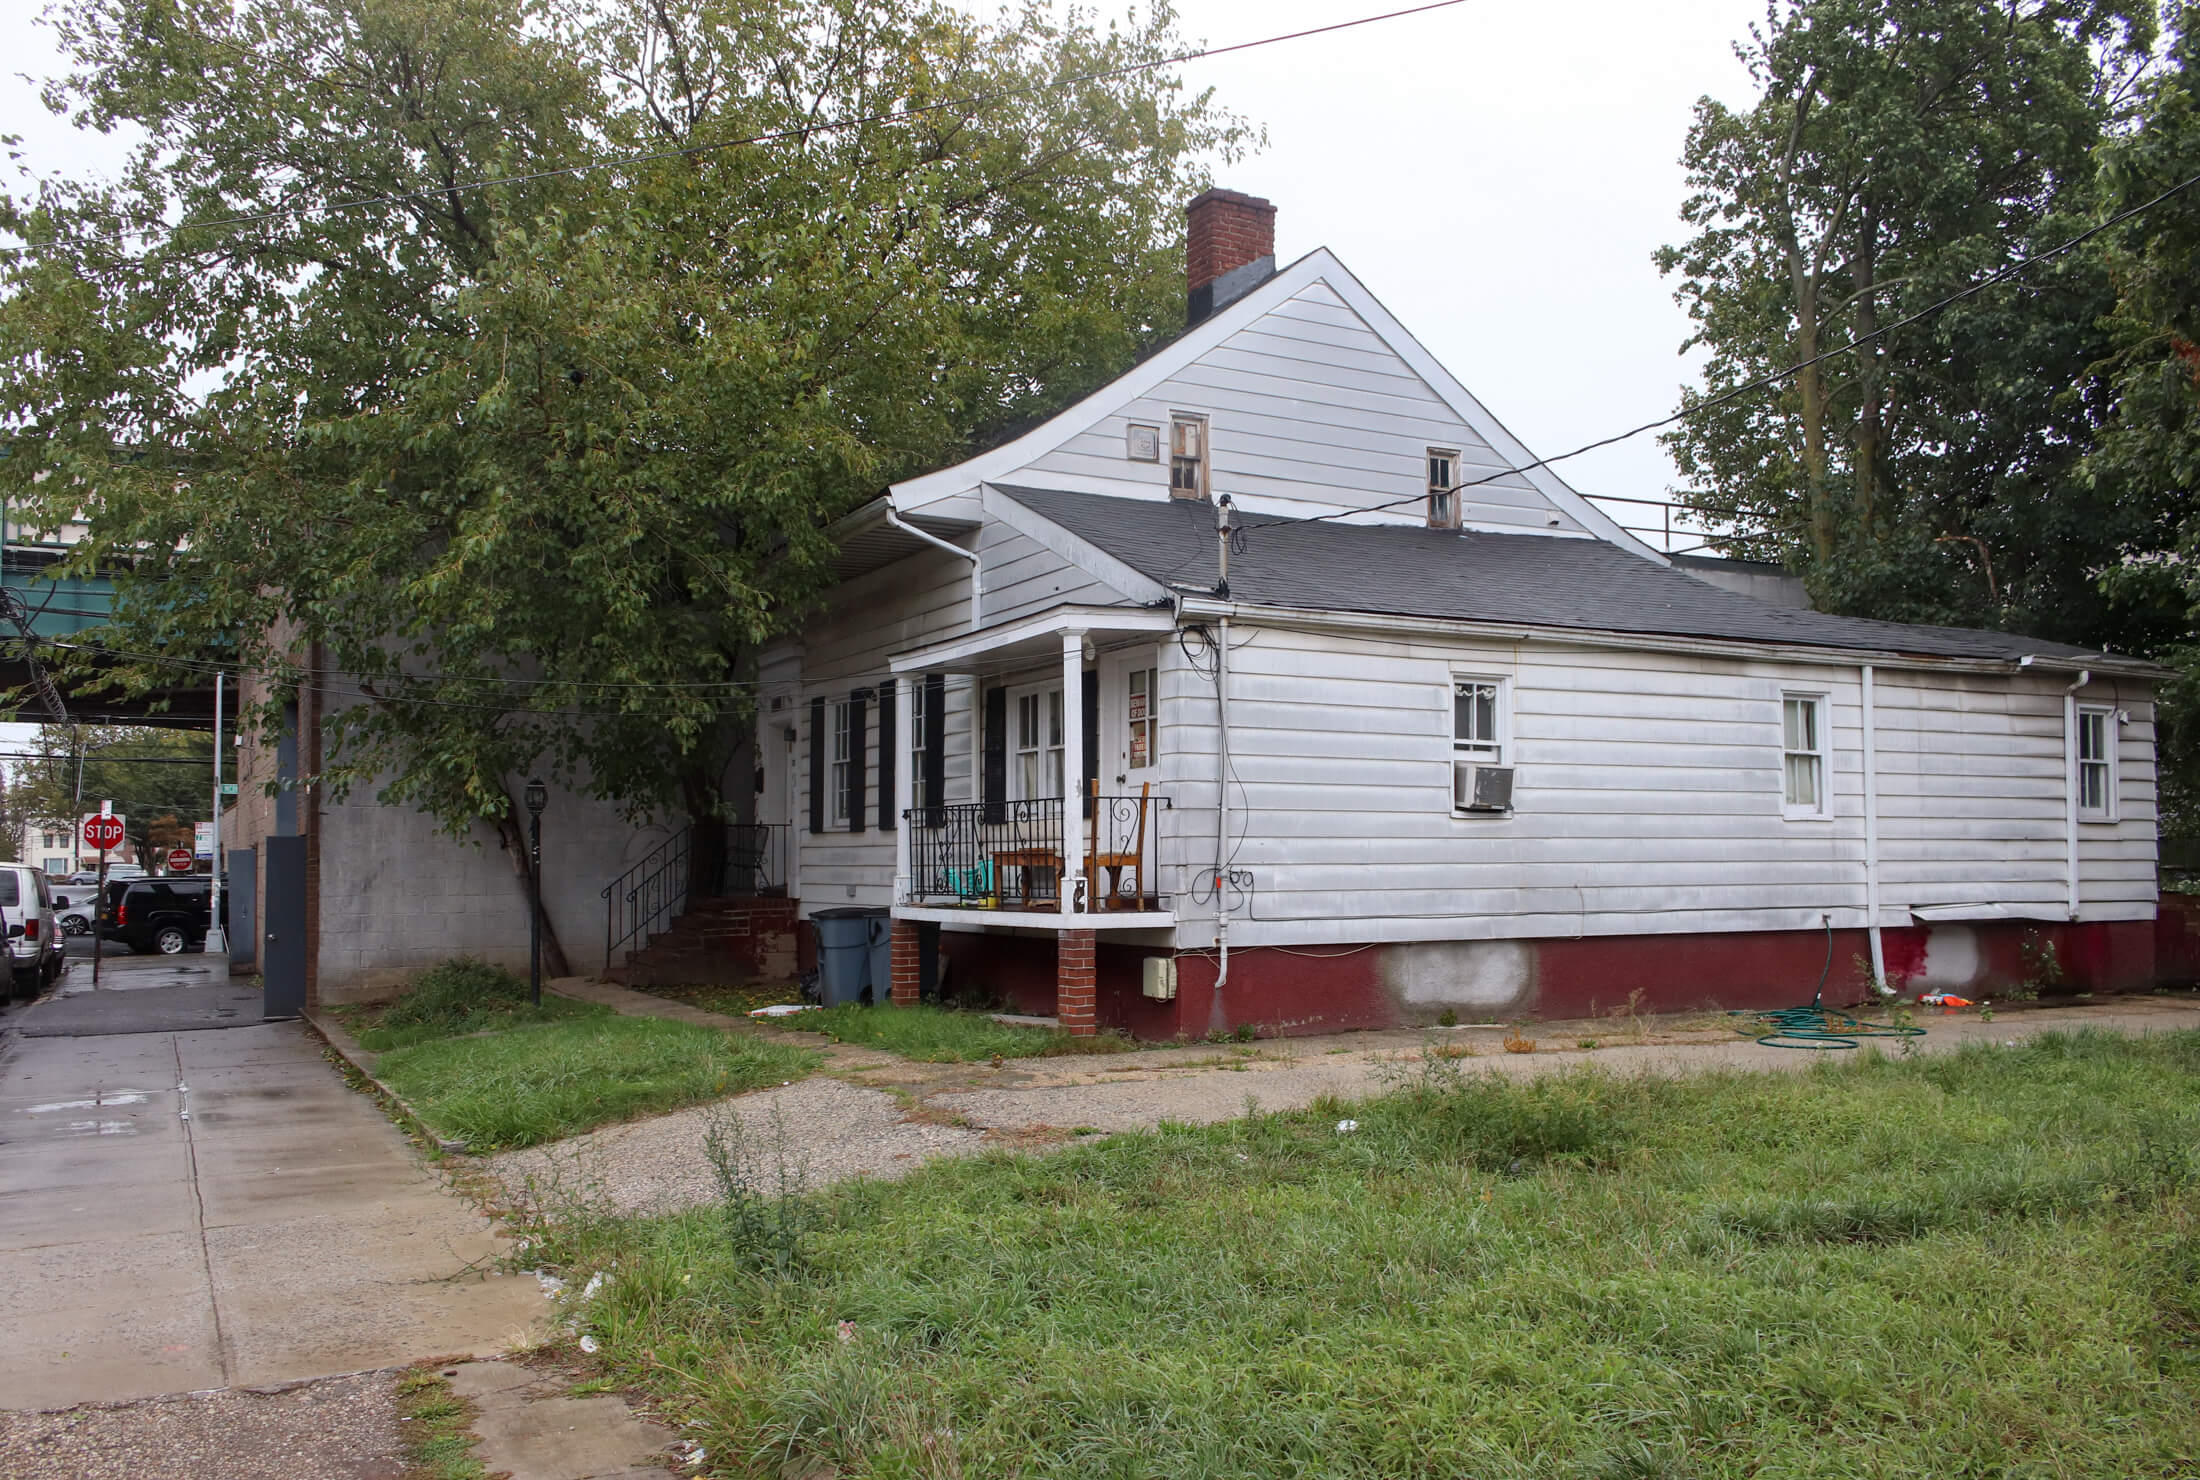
{"type": "Point", "coordinates": [1816, 1027]}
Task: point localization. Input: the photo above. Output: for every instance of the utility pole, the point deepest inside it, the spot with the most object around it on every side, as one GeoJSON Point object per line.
{"type": "Point", "coordinates": [217, 939]}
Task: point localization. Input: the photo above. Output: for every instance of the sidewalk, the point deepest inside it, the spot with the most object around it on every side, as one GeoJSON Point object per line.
{"type": "Point", "coordinates": [190, 1210]}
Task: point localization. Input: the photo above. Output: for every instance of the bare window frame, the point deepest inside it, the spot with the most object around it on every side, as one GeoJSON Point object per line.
{"type": "Point", "coordinates": [1443, 500]}
{"type": "Point", "coordinates": [1201, 462]}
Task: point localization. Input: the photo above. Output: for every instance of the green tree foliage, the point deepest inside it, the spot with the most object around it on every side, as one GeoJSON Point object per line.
{"type": "Point", "coordinates": [160, 780]}
{"type": "Point", "coordinates": [2150, 448]}
{"type": "Point", "coordinates": [532, 470]}
{"type": "Point", "coordinates": [1900, 150]}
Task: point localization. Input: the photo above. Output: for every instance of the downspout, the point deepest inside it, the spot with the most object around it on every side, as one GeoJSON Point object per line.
{"type": "Point", "coordinates": [893, 517]}
{"type": "Point", "coordinates": [1871, 835]}
{"type": "Point", "coordinates": [1215, 1016]}
{"type": "Point", "coordinates": [2070, 785]}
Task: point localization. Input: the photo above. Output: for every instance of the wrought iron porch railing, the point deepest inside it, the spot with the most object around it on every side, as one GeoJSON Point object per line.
{"type": "Point", "coordinates": [1008, 855]}
{"type": "Point", "coordinates": [643, 901]}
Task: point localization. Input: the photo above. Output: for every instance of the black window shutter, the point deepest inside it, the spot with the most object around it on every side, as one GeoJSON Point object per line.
{"type": "Point", "coordinates": [995, 776]}
{"type": "Point", "coordinates": [935, 746]}
{"type": "Point", "coordinates": [1092, 739]}
{"type": "Point", "coordinates": [817, 765]}
{"type": "Point", "coordinates": [889, 729]}
{"type": "Point", "coordinates": [859, 740]}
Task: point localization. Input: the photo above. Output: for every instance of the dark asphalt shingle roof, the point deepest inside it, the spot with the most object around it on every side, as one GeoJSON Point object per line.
{"type": "Point", "coordinates": [1471, 575]}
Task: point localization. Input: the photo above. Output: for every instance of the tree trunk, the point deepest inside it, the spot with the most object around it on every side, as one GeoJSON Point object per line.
{"type": "Point", "coordinates": [512, 833]}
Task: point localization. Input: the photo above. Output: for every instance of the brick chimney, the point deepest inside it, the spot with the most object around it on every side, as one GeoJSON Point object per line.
{"type": "Point", "coordinates": [1231, 250]}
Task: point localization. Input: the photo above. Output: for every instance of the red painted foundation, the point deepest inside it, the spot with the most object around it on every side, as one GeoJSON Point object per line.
{"type": "Point", "coordinates": [1282, 992]}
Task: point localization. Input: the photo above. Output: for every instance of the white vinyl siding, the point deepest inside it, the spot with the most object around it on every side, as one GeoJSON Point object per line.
{"type": "Point", "coordinates": [1309, 411]}
{"type": "Point", "coordinates": [2096, 763]}
{"type": "Point", "coordinates": [1803, 792]}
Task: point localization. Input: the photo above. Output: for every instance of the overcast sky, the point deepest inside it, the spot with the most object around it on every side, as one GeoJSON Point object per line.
{"type": "Point", "coordinates": [1497, 173]}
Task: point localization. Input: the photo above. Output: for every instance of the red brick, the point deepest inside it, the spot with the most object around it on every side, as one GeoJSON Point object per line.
{"type": "Point", "coordinates": [1075, 995]}
{"type": "Point", "coordinates": [1226, 230]}
{"type": "Point", "coordinates": [905, 969]}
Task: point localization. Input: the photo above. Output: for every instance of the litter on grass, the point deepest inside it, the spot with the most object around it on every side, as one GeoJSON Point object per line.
{"type": "Point", "coordinates": [784, 1009]}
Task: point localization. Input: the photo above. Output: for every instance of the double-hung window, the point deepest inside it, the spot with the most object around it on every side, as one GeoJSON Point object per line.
{"type": "Point", "coordinates": [1803, 756]}
{"type": "Point", "coordinates": [841, 757]}
{"type": "Point", "coordinates": [1188, 457]}
{"type": "Point", "coordinates": [920, 732]}
{"type": "Point", "coordinates": [1477, 709]}
{"type": "Point", "coordinates": [1443, 488]}
{"type": "Point", "coordinates": [2096, 763]}
{"type": "Point", "coordinates": [1038, 744]}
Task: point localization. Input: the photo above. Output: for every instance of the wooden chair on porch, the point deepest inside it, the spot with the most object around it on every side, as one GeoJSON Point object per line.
{"type": "Point", "coordinates": [1115, 863]}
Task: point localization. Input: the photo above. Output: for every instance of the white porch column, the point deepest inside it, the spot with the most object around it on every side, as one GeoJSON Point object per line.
{"type": "Point", "coordinates": [905, 781]}
{"type": "Point", "coordinates": [1073, 766]}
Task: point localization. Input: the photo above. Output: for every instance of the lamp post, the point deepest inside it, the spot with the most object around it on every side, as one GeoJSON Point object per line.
{"type": "Point", "coordinates": [538, 797]}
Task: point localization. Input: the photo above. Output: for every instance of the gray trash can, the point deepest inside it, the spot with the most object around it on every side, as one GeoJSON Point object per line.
{"type": "Point", "coordinates": [882, 957]}
{"type": "Point", "coordinates": [843, 954]}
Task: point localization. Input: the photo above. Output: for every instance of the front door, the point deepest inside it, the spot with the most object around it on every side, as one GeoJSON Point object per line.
{"type": "Point", "coordinates": [1130, 722]}
{"type": "Point", "coordinates": [283, 938]}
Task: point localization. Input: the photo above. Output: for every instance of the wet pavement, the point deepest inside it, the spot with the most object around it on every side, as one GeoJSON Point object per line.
{"type": "Point", "coordinates": [140, 994]}
{"type": "Point", "coordinates": [183, 1210]}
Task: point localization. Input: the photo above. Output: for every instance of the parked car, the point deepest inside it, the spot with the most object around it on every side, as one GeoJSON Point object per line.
{"type": "Point", "coordinates": [33, 931]}
{"type": "Point", "coordinates": [76, 904]}
{"type": "Point", "coordinates": [168, 916]}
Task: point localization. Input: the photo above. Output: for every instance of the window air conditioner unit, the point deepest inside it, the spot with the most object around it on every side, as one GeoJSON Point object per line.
{"type": "Point", "coordinates": [1477, 786]}
{"type": "Point", "coordinates": [1160, 983]}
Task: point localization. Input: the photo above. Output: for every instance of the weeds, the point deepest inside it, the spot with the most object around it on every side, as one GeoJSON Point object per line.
{"type": "Point", "coordinates": [947, 1035]}
{"type": "Point", "coordinates": [765, 1217]}
{"type": "Point", "coordinates": [551, 1080]}
{"type": "Point", "coordinates": [2043, 969]}
{"type": "Point", "coordinates": [439, 1438]}
{"type": "Point", "coordinates": [460, 997]}
{"type": "Point", "coordinates": [1975, 1263]}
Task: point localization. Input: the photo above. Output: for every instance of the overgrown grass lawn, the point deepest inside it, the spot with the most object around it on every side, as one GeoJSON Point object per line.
{"type": "Point", "coordinates": [456, 998]}
{"type": "Point", "coordinates": [544, 1081]}
{"type": "Point", "coordinates": [946, 1035]}
{"type": "Point", "coordinates": [1980, 1265]}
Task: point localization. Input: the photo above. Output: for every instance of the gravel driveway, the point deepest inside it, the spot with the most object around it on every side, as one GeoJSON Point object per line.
{"type": "Point", "coordinates": [823, 1129]}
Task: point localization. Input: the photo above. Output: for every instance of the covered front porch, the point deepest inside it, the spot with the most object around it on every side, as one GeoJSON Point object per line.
{"type": "Point", "coordinates": [1047, 844]}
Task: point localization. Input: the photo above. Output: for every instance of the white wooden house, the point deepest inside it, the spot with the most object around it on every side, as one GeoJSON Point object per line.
{"type": "Point", "coordinates": [1435, 743]}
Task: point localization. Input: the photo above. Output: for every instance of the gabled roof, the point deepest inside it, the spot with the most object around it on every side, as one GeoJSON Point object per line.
{"type": "Point", "coordinates": [1006, 459]}
{"type": "Point", "coordinates": [1475, 576]}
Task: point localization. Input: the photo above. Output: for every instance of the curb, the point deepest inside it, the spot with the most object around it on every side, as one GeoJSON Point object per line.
{"type": "Point", "coordinates": [347, 1048]}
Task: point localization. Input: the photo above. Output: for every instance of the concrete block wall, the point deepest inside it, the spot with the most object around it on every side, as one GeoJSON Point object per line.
{"type": "Point", "coordinates": [399, 895]}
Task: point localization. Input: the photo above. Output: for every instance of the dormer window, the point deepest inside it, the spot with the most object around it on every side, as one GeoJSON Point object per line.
{"type": "Point", "coordinates": [1188, 457]}
{"type": "Point", "coordinates": [1443, 488]}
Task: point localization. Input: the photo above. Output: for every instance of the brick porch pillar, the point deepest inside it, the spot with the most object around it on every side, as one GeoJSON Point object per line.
{"type": "Point", "coordinates": [904, 946]}
{"type": "Point", "coordinates": [1075, 996]}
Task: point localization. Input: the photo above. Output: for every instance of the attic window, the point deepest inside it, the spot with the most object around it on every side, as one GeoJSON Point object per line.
{"type": "Point", "coordinates": [1188, 457]}
{"type": "Point", "coordinates": [1443, 488]}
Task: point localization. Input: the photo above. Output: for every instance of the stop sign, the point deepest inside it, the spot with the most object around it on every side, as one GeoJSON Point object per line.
{"type": "Point", "coordinates": [181, 860]}
{"type": "Point", "coordinates": [103, 833]}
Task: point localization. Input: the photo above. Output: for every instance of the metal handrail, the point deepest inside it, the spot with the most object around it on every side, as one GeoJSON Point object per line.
{"type": "Point", "coordinates": [643, 901]}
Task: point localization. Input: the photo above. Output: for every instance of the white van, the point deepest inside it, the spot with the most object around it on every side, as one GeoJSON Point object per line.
{"type": "Point", "coordinates": [33, 930]}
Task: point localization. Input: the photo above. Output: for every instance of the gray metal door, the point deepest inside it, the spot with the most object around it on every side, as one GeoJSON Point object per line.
{"type": "Point", "coordinates": [240, 901]}
{"type": "Point", "coordinates": [283, 937]}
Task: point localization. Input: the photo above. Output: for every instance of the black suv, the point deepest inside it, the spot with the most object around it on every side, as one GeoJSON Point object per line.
{"type": "Point", "coordinates": [169, 916]}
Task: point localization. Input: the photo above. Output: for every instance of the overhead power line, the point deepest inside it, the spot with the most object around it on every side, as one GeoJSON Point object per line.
{"type": "Point", "coordinates": [1762, 382]}
{"type": "Point", "coordinates": [800, 131]}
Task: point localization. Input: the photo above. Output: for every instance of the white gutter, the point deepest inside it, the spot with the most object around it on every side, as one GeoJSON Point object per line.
{"type": "Point", "coordinates": [893, 517]}
{"type": "Point", "coordinates": [1871, 833]}
{"type": "Point", "coordinates": [1201, 605]}
{"type": "Point", "coordinates": [2070, 786]}
{"type": "Point", "coordinates": [1215, 1016]}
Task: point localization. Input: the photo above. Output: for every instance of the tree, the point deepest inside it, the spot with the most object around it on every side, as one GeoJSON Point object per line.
{"type": "Point", "coordinates": [2149, 451]}
{"type": "Point", "coordinates": [160, 780]}
{"type": "Point", "coordinates": [1901, 149]}
{"type": "Point", "coordinates": [532, 470]}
